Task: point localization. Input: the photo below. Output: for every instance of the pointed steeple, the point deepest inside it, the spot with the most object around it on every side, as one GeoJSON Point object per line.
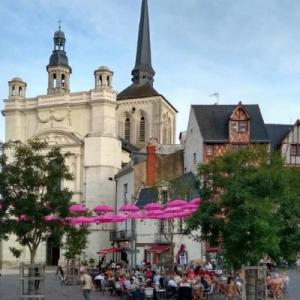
{"type": "Point", "coordinates": [143, 71]}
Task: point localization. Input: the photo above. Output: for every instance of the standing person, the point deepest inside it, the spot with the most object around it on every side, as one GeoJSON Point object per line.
{"type": "Point", "coordinates": [86, 284]}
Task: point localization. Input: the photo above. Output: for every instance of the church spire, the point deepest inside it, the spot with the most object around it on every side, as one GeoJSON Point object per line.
{"type": "Point", "coordinates": [143, 71]}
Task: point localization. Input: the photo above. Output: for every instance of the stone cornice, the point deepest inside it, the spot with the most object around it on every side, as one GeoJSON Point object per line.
{"type": "Point", "coordinates": [107, 96]}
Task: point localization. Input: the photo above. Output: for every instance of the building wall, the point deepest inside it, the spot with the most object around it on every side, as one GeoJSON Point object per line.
{"type": "Point", "coordinates": [169, 166]}
{"type": "Point", "coordinates": [193, 146]}
{"type": "Point", "coordinates": [84, 124]}
{"type": "Point", "coordinates": [154, 109]}
{"type": "Point", "coordinates": [292, 138]}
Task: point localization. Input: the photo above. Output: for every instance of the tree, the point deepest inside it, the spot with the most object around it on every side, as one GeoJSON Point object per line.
{"type": "Point", "coordinates": [76, 241]}
{"type": "Point", "coordinates": [251, 206]}
{"type": "Point", "coordinates": [30, 184]}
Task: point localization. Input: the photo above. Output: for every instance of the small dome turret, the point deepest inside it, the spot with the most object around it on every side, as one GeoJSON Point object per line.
{"type": "Point", "coordinates": [103, 78]}
{"type": "Point", "coordinates": [17, 88]}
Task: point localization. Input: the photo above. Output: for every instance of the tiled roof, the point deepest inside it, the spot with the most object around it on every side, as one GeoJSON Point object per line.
{"type": "Point", "coordinates": [150, 194]}
{"type": "Point", "coordinates": [138, 91]}
{"type": "Point", "coordinates": [213, 122]}
{"type": "Point", "coordinates": [277, 133]}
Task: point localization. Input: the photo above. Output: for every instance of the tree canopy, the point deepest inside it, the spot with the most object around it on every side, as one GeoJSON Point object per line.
{"type": "Point", "coordinates": [251, 206]}
{"type": "Point", "coordinates": [30, 185]}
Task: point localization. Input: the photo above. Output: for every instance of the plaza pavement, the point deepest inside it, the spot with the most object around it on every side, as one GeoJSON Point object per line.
{"type": "Point", "coordinates": [9, 288]}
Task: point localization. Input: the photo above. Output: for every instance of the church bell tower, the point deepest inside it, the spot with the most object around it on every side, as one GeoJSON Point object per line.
{"type": "Point", "coordinates": [58, 68]}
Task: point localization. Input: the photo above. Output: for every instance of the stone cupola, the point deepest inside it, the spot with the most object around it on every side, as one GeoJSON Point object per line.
{"type": "Point", "coordinates": [58, 68]}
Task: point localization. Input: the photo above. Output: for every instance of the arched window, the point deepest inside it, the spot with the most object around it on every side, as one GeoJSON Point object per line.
{"type": "Point", "coordinates": [20, 91]}
{"type": "Point", "coordinates": [13, 92]}
{"type": "Point", "coordinates": [127, 129]}
{"type": "Point", "coordinates": [100, 80]}
{"type": "Point", "coordinates": [108, 80]}
{"type": "Point", "coordinates": [54, 80]}
{"type": "Point", "coordinates": [142, 129]}
{"type": "Point", "coordinates": [63, 80]}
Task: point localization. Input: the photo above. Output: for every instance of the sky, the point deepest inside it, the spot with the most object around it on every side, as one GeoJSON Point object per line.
{"type": "Point", "coordinates": [245, 50]}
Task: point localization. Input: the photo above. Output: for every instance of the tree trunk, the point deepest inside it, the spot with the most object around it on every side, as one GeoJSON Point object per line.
{"type": "Point", "coordinates": [251, 281]}
{"type": "Point", "coordinates": [32, 273]}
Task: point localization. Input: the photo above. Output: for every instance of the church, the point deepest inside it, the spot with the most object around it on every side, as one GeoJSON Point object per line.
{"type": "Point", "coordinates": [99, 127]}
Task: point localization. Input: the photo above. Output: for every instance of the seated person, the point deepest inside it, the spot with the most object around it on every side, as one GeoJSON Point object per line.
{"type": "Point", "coordinates": [172, 286]}
{"type": "Point", "coordinates": [205, 284]}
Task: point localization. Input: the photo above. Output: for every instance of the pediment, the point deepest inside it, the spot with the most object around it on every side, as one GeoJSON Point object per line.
{"type": "Point", "coordinates": [59, 138]}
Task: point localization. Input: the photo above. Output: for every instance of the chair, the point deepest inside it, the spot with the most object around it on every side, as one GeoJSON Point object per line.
{"type": "Point", "coordinates": [210, 293]}
{"type": "Point", "coordinates": [149, 292]}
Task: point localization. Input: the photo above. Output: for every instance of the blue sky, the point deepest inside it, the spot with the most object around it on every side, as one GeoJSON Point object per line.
{"type": "Point", "coordinates": [246, 50]}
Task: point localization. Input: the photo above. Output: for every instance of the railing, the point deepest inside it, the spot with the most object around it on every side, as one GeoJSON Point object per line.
{"type": "Point", "coordinates": [123, 235]}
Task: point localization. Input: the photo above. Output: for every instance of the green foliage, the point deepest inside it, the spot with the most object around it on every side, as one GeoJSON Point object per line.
{"type": "Point", "coordinates": [16, 252]}
{"type": "Point", "coordinates": [76, 241]}
{"type": "Point", "coordinates": [30, 184]}
{"type": "Point", "coordinates": [251, 206]}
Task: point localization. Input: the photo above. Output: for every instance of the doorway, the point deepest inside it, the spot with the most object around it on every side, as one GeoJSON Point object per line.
{"type": "Point", "coordinates": [52, 252]}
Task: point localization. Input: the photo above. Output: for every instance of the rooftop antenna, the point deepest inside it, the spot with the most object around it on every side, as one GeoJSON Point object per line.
{"type": "Point", "coordinates": [59, 24]}
{"type": "Point", "coordinates": [216, 95]}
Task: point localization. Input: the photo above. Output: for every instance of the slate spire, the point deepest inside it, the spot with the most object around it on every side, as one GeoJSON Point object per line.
{"type": "Point", "coordinates": [143, 72]}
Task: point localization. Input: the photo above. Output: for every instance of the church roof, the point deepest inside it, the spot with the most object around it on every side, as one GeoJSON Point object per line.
{"type": "Point", "coordinates": [213, 122]}
{"type": "Point", "coordinates": [141, 91]}
{"type": "Point", "coordinates": [138, 91]}
{"type": "Point", "coordinates": [277, 132]}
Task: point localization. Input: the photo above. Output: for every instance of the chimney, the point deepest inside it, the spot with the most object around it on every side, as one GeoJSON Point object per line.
{"type": "Point", "coordinates": [151, 164]}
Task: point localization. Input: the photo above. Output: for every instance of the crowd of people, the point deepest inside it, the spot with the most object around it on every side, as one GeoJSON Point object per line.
{"type": "Point", "coordinates": [184, 283]}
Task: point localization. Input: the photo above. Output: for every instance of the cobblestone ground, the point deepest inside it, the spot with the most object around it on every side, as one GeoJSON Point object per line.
{"type": "Point", "coordinates": [9, 288]}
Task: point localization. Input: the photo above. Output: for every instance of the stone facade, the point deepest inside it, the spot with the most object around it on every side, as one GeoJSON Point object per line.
{"type": "Point", "coordinates": [290, 146]}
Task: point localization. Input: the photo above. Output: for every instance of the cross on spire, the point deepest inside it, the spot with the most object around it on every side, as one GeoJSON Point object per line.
{"type": "Point", "coordinates": [59, 24]}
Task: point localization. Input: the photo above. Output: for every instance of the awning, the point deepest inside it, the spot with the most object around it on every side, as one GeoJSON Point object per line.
{"type": "Point", "coordinates": [158, 248]}
{"type": "Point", "coordinates": [109, 251]}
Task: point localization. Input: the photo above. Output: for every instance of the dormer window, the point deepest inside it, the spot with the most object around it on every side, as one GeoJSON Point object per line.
{"type": "Point", "coordinates": [239, 126]}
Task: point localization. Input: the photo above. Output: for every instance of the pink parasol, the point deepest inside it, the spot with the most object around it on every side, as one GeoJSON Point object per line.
{"type": "Point", "coordinates": [153, 206]}
{"type": "Point", "coordinates": [81, 220]}
{"type": "Point", "coordinates": [191, 206]}
{"type": "Point", "coordinates": [173, 209]}
{"type": "Point", "coordinates": [136, 215]}
{"type": "Point", "coordinates": [77, 208]}
{"type": "Point", "coordinates": [118, 218]}
{"type": "Point", "coordinates": [50, 218]}
{"type": "Point", "coordinates": [154, 214]}
{"type": "Point", "coordinates": [176, 203]}
{"type": "Point", "coordinates": [196, 200]}
{"type": "Point", "coordinates": [103, 209]}
{"type": "Point", "coordinates": [166, 216]}
{"type": "Point", "coordinates": [129, 208]}
{"type": "Point", "coordinates": [104, 219]}
{"type": "Point", "coordinates": [23, 217]}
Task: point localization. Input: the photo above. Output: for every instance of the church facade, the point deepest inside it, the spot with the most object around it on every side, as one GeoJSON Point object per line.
{"type": "Point", "coordinates": [92, 125]}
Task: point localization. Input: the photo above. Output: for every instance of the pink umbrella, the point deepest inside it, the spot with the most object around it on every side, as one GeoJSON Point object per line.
{"type": "Point", "coordinates": [103, 209]}
{"type": "Point", "coordinates": [166, 216]}
{"type": "Point", "coordinates": [153, 206]}
{"type": "Point", "coordinates": [104, 219]}
{"type": "Point", "coordinates": [173, 209]}
{"type": "Point", "coordinates": [136, 215]}
{"type": "Point", "coordinates": [23, 217]}
{"type": "Point", "coordinates": [154, 214]}
{"type": "Point", "coordinates": [118, 218]}
{"type": "Point", "coordinates": [50, 218]}
{"type": "Point", "coordinates": [77, 208]}
{"type": "Point", "coordinates": [191, 206]}
{"type": "Point", "coordinates": [81, 220]}
{"type": "Point", "coordinates": [196, 200]}
{"type": "Point", "coordinates": [176, 203]}
{"type": "Point", "coordinates": [129, 208]}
